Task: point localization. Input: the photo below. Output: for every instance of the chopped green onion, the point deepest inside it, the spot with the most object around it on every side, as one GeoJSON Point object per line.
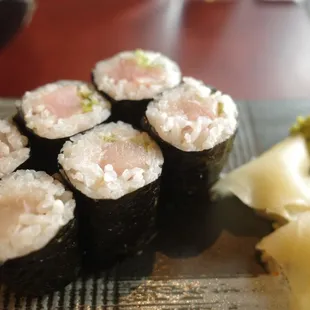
{"type": "Point", "coordinates": [220, 108]}
{"type": "Point", "coordinates": [143, 60]}
{"type": "Point", "coordinates": [109, 139]}
{"type": "Point", "coordinates": [84, 93]}
{"type": "Point", "coordinates": [139, 140]}
{"type": "Point", "coordinates": [87, 108]}
{"type": "Point", "coordinates": [88, 100]}
{"type": "Point", "coordinates": [302, 126]}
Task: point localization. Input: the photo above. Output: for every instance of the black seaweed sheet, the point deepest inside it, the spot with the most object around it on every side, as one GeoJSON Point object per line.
{"type": "Point", "coordinates": [27, 164]}
{"type": "Point", "coordinates": [111, 228]}
{"type": "Point", "coordinates": [44, 152]}
{"type": "Point", "coordinates": [189, 173]}
{"type": "Point", "coordinates": [128, 111]}
{"type": "Point", "coordinates": [48, 269]}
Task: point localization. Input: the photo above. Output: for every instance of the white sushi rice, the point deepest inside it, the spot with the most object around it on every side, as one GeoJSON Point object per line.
{"type": "Point", "coordinates": [174, 125]}
{"type": "Point", "coordinates": [33, 208]}
{"type": "Point", "coordinates": [80, 158]}
{"type": "Point", "coordinates": [136, 90]}
{"type": "Point", "coordinates": [45, 124]}
{"type": "Point", "coordinates": [13, 147]}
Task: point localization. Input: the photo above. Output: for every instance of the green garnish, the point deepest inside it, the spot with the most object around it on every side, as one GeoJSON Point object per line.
{"type": "Point", "coordinates": [139, 140]}
{"type": "Point", "coordinates": [143, 60]}
{"type": "Point", "coordinates": [88, 99]}
{"type": "Point", "coordinates": [84, 93]}
{"type": "Point", "coordinates": [220, 108]}
{"type": "Point", "coordinates": [111, 138]}
{"type": "Point", "coordinates": [302, 126]}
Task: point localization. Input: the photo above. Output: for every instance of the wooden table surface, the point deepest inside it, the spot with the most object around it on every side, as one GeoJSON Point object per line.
{"type": "Point", "coordinates": [251, 49]}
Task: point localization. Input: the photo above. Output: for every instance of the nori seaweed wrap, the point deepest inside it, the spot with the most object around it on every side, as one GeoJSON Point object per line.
{"type": "Point", "coordinates": [38, 235]}
{"type": "Point", "coordinates": [129, 80]}
{"type": "Point", "coordinates": [190, 173]}
{"type": "Point", "coordinates": [128, 111]}
{"type": "Point", "coordinates": [53, 113]}
{"type": "Point", "coordinates": [195, 127]}
{"type": "Point", "coordinates": [114, 171]}
{"type": "Point", "coordinates": [111, 229]}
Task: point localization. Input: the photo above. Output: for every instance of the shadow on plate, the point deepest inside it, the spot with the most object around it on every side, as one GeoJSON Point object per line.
{"type": "Point", "coordinates": [193, 227]}
{"type": "Point", "coordinates": [200, 239]}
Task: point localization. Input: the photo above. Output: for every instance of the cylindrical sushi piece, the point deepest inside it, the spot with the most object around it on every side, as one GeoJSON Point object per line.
{"type": "Point", "coordinates": [115, 172]}
{"type": "Point", "coordinates": [50, 114]}
{"type": "Point", "coordinates": [39, 252]}
{"type": "Point", "coordinates": [195, 127]}
{"type": "Point", "coordinates": [131, 79]}
{"type": "Point", "coordinates": [14, 148]}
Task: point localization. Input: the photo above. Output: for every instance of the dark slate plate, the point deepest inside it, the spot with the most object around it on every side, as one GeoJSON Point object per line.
{"type": "Point", "coordinates": [204, 259]}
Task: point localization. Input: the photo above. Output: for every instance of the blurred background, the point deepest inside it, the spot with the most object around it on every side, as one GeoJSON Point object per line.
{"type": "Point", "coordinates": [252, 49]}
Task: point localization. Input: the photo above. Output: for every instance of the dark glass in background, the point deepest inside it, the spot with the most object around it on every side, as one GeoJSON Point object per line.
{"type": "Point", "coordinates": [13, 15]}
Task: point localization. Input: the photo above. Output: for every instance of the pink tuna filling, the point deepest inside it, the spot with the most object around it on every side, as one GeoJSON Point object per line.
{"type": "Point", "coordinates": [11, 209]}
{"type": "Point", "coordinates": [128, 69]}
{"type": "Point", "coordinates": [193, 109]}
{"type": "Point", "coordinates": [63, 102]}
{"type": "Point", "coordinates": [124, 155]}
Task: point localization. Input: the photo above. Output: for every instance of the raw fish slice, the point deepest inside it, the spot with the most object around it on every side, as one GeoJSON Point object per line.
{"type": "Point", "coordinates": [289, 246]}
{"type": "Point", "coordinates": [124, 155]}
{"type": "Point", "coordinates": [63, 102]}
{"type": "Point", "coordinates": [8, 217]}
{"type": "Point", "coordinates": [277, 182]}
{"type": "Point", "coordinates": [194, 109]}
{"type": "Point", "coordinates": [130, 70]}
{"type": "Point", "coordinates": [11, 209]}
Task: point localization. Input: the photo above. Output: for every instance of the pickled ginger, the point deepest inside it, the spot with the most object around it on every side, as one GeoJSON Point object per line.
{"type": "Point", "coordinates": [289, 248]}
{"type": "Point", "coordinates": [276, 183]}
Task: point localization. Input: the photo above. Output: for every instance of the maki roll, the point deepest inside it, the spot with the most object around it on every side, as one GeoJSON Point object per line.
{"type": "Point", "coordinates": [195, 127]}
{"type": "Point", "coordinates": [38, 233]}
{"type": "Point", "coordinates": [115, 172]}
{"type": "Point", "coordinates": [50, 114]}
{"type": "Point", "coordinates": [14, 149]}
{"type": "Point", "coordinates": [131, 79]}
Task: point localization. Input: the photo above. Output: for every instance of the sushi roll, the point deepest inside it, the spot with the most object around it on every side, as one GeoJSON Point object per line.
{"type": "Point", "coordinates": [115, 172]}
{"type": "Point", "coordinates": [131, 79]}
{"type": "Point", "coordinates": [38, 233]}
{"type": "Point", "coordinates": [195, 126]}
{"type": "Point", "coordinates": [14, 149]}
{"type": "Point", "coordinates": [50, 114]}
